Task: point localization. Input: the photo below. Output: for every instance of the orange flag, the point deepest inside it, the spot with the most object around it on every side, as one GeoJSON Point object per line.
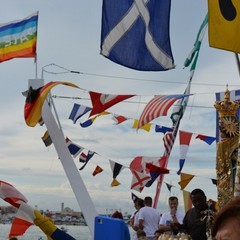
{"type": "Point", "coordinates": [187, 200]}
{"type": "Point", "coordinates": [97, 170]}
{"type": "Point", "coordinates": [185, 179]}
{"type": "Point", "coordinates": [115, 183]}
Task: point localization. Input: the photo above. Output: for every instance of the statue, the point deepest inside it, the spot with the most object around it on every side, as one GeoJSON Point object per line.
{"type": "Point", "coordinates": [227, 148]}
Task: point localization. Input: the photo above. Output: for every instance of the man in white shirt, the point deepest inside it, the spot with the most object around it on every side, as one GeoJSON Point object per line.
{"type": "Point", "coordinates": [148, 218]}
{"type": "Point", "coordinates": [171, 220]}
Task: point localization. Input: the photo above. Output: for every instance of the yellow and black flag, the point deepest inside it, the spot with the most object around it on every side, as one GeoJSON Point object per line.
{"type": "Point", "coordinates": [224, 24]}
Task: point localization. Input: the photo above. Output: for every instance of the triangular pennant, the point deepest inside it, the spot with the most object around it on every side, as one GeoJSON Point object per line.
{"type": "Point", "coordinates": [97, 170]}
{"type": "Point", "coordinates": [115, 183]}
{"type": "Point", "coordinates": [185, 179]}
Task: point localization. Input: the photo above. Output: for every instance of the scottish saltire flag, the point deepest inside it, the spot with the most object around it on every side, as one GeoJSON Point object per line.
{"type": "Point", "coordinates": [73, 148]}
{"type": "Point", "coordinates": [157, 107]}
{"type": "Point", "coordinates": [18, 39]}
{"type": "Point", "coordinates": [135, 34]}
{"type": "Point", "coordinates": [78, 111]}
{"type": "Point", "coordinates": [234, 96]}
{"type": "Point", "coordinates": [209, 140]}
{"type": "Point", "coordinates": [185, 138]}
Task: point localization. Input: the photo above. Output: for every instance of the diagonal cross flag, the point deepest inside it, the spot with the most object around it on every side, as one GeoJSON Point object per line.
{"type": "Point", "coordinates": [135, 34]}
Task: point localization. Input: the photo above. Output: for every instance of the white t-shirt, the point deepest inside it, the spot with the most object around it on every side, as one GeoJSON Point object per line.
{"type": "Point", "coordinates": [150, 217]}
{"type": "Point", "coordinates": [167, 218]}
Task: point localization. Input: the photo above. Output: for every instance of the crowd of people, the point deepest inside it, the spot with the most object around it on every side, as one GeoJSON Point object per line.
{"type": "Point", "coordinates": [195, 224]}
{"type": "Point", "coordinates": [201, 222]}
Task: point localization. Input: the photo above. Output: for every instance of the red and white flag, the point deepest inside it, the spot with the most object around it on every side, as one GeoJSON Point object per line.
{"type": "Point", "coordinates": [101, 102]}
{"type": "Point", "coordinates": [25, 214]}
{"type": "Point", "coordinates": [157, 107]}
{"type": "Point", "coordinates": [139, 180]}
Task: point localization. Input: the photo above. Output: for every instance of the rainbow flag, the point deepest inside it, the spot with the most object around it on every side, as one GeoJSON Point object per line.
{"type": "Point", "coordinates": [18, 38]}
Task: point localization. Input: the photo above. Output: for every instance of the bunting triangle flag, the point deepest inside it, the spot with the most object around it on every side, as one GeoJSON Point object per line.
{"type": "Point", "coordinates": [116, 169]}
{"type": "Point", "coordinates": [78, 111]}
{"type": "Point", "coordinates": [85, 158]}
{"type": "Point", "coordinates": [119, 119]}
{"type": "Point", "coordinates": [115, 183]}
{"type": "Point", "coordinates": [74, 149]}
{"type": "Point", "coordinates": [134, 197]}
{"type": "Point", "coordinates": [146, 127]}
{"type": "Point", "coordinates": [47, 139]}
{"type": "Point", "coordinates": [187, 200]}
{"type": "Point", "coordinates": [185, 180]}
{"type": "Point", "coordinates": [209, 140]}
{"type": "Point", "coordinates": [169, 186]}
{"type": "Point", "coordinates": [97, 170]}
{"type": "Point", "coordinates": [101, 102]}
{"type": "Point", "coordinates": [162, 129]}
{"type": "Point", "coordinates": [185, 138]}
{"type": "Point", "coordinates": [139, 180]}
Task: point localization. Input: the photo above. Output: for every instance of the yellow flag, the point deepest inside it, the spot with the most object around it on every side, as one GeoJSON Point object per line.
{"type": "Point", "coordinates": [187, 200]}
{"type": "Point", "coordinates": [146, 127]}
{"type": "Point", "coordinates": [115, 183]}
{"type": "Point", "coordinates": [224, 24]}
{"type": "Point", "coordinates": [185, 179]}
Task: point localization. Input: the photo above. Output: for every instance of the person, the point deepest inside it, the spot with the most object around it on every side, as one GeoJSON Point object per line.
{"type": "Point", "coordinates": [195, 220]}
{"type": "Point", "coordinates": [139, 204]}
{"type": "Point", "coordinates": [117, 214]}
{"type": "Point", "coordinates": [170, 221]}
{"type": "Point", "coordinates": [226, 224]}
{"type": "Point", "coordinates": [141, 235]}
{"type": "Point", "coordinates": [157, 234]}
{"type": "Point", "coordinates": [148, 218]}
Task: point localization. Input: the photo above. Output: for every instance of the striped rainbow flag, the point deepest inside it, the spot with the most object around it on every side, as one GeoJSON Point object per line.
{"type": "Point", "coordinates": [18, 38]}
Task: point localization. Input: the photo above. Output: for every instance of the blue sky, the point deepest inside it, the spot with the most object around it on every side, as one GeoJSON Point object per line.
{"type": "Point", "coordinates": [69, 36]}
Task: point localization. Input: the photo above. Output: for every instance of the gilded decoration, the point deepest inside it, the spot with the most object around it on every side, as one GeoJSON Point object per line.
{"type": "Point", "coordinates": [227, 149]}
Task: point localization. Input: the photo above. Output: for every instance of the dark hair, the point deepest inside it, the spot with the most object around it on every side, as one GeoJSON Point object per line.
{"type": "Point", "coordinates": [141, 233]}
{"type": "Point", "coordinates": [230, 210]}
{"type": "Point", "coordinates": [148, 201]}
{"type": "Point", "coordinates": [117, 214]}
{"type": "Point", "coordinates": [172, 198]}
{"type": "Point", "coordinates": [197, 191]}
{"type": "Point", "coordinates": [140, 202]}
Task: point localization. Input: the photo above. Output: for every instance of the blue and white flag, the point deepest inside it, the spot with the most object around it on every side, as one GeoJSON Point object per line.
{"type": "Point", "coordinates": [78, 111]}
{"type": "Point", "coordinates": [135, 34]}
{"type": "Point", "coordinates": [85, 158]}
{"type": "Point", "coordinates": [74, 149]}
{"type": "Point", "coordinates": [234, 96]}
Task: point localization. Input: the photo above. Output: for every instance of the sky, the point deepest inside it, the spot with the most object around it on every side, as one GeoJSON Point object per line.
{"type": "Point", "coordinates": [69, 37]}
